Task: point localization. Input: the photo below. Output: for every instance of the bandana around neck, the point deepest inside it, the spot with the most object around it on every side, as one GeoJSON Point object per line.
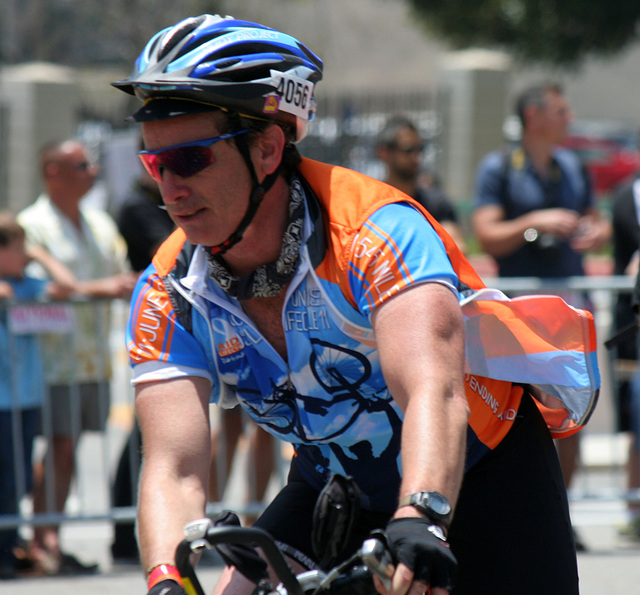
{"type": "Point", "coordinates": [268, 279]}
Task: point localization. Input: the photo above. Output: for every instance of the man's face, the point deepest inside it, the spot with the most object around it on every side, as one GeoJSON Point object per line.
{"type": "Point", "coordinates": [75, 171]}
{"type": "Point", "coordinates": [209, 205]}
{"type": "Point", "coordinates": [404, 156]}
{"type": "Point", "coordinates": [554, 118]}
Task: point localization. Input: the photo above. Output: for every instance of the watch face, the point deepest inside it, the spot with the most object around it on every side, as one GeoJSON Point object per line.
{"type": "Point", "coordinates": [437, 502]}
{"type": "Point", "coordinates": [433, 505]}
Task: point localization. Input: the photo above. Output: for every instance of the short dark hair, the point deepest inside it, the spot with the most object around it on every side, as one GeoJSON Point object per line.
{"type": "Point", "coordinates": [536, 96]}
{"type": "Point", "coordinates": [387, 136]}
{"type": "Point", "coordinates": [10, 229]}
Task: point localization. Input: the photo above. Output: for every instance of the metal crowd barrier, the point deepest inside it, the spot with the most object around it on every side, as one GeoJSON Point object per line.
{"type": "Point", "coordinates": [601, 473]}
{"type": "Point", "coordinates": [98, 453]}
{"type": "Point", "coordinates": [91, 498]}
{"type": "Point", "coordinates": [57, 321]}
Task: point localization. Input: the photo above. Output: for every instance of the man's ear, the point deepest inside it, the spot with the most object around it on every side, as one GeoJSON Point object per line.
{"type": "Point", "coordinates": [267, 150]}
{"type": "Point", "coordinates": [529, 114]}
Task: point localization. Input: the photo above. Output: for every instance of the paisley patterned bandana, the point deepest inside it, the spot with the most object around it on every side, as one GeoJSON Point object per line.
{"type": "Point", "coordinates": [268, 279]}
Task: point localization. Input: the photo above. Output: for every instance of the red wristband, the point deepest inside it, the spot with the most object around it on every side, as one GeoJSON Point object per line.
{"type": "Point", "coordinates": [163, 572]}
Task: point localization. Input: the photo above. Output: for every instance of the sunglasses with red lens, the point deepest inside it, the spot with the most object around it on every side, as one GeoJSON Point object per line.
{"type": "Point", "coordinates": [184, 160]}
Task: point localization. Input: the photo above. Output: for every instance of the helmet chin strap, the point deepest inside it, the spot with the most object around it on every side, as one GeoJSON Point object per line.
{"type": "Point", "coordinates": [255, 199]}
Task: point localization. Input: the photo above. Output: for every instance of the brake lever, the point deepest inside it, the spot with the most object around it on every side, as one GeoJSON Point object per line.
{"type": "Point", "coordinates": [196, 532]}
{"type": "Point", "coordinates": [377, 558]}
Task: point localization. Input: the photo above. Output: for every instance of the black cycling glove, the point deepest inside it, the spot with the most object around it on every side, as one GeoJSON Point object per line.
{"type": "Point", "coordinates": [244, 557]}
{"type": "Point", "coordinates": [167, 587]}
{"type": "Point", "coordinates": [412, 543]}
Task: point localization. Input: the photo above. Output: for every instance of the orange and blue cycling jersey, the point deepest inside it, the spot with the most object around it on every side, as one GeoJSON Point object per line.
{"type": "Point", "coordinates": [364, 242]}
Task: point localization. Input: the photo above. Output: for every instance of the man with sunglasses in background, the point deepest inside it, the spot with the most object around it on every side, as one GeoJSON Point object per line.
{"type": "Point", "coordinates": [400, 147]}
{"type": "Point", "coordinates": [87, 241]}
{"type": "Point", "coordinates": [328, 305]}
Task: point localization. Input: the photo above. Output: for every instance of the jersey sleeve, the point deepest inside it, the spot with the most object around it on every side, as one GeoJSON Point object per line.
{"type": "Point", "coordinates": [396, 248]}
{"type": "Point", "coordinates": [159, 346]}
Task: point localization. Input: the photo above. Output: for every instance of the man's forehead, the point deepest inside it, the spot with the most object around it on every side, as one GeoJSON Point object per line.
{"type": "Point", "coordinates": [202, 125]}
{"type": "Point", "coordinates": [178, 121]}
{"type": "Point", "coordinates": [167, 108]}
{"type": "Point", "coordinates": [71, 148]}
{"type": "Point", "coordinates": [406, 134]}
{"type": "Point", "coordinates": [555, 99]}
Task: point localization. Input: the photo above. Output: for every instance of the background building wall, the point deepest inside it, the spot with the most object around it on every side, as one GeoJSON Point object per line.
{"type": "Point", "coordinates": [476, 82]}
{"type": "Point", "coordinates": [39, 104]}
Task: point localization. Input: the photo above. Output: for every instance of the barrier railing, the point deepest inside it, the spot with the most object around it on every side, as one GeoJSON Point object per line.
{"type": "Point", "coordinates": [99, 452]}
{"type": "Point", "coordinates": [601, 474]}
{"type": "Point", "coordinates": [91, 497]}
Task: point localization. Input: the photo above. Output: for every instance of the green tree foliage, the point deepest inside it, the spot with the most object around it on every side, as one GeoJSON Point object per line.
{"type": "Point", "coordinates": [561, 32]}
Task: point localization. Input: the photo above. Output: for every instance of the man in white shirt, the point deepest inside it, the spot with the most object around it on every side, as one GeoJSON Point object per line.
{"type": "Point", "coordinates": [77, 369]}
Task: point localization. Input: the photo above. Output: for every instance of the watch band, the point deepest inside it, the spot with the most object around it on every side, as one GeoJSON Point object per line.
{"type": "Point", "coordinates": [405, 501]}
{"type": "Point", "coordinates": [432, 505]}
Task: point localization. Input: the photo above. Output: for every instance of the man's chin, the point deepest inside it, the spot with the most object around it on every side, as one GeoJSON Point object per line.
{"type": "Point", "coordinates": [201, 238]}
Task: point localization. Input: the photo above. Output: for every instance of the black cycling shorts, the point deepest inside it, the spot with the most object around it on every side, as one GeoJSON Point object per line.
{"type": "Point", "coordinates": [511, 532]}
{"type": "Point", "coordinates": [289, 519]}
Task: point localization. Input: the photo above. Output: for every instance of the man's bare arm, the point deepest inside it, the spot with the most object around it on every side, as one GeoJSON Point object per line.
{"type": "Point", "coordinates": [174, 420]}
{"type": "Point", "coordinates": [420, 338]}
{"type": "Point", "coordinates": [500, 237]}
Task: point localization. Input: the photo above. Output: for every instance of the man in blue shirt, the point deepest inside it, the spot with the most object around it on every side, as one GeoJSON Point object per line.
{"type": "Point", "coordinates": [534, 208]}
{"type": "Point", "coordinates": [534, 205]}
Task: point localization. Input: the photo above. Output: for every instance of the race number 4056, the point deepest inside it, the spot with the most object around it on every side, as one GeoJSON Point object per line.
{"type": "Point", "coordinates": [294, 93]}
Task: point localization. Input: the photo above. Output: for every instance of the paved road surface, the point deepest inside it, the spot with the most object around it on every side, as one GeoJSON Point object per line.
{"type": "Point", "coordinates": [611, 567]}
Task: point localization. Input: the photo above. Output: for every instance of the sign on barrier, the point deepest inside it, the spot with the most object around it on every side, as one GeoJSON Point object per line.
{"type": "Point", "coordinates": [41, 318]}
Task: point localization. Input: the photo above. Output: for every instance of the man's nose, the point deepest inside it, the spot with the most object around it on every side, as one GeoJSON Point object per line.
{"type": "Point", "coordinates": [173, 187]}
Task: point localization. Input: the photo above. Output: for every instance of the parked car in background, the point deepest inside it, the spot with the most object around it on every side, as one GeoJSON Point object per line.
{"type": "Point", "coordinates": [609, 161]}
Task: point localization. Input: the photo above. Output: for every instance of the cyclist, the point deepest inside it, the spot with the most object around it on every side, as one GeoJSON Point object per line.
{"type": "Point", "coordinates": [328, 305]}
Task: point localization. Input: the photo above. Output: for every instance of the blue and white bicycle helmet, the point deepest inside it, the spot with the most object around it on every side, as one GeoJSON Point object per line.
{"type": "Point", "coordinates": [234, 65]}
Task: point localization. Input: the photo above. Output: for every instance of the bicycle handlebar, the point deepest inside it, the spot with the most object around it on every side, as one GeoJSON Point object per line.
{"type": "Point", "coordinates": [202, 534]}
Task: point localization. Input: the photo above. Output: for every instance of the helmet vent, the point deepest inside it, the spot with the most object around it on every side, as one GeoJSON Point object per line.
{"type": "Point", "coordinates": [311, 57]}
{"type": "Point", "coordinates": [223, 64]}
{"type": "Point", "coordinates": [178, 34]}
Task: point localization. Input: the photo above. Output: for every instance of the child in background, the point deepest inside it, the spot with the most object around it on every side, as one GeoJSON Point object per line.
{"type": "Point", "coordinates": [21, 378]}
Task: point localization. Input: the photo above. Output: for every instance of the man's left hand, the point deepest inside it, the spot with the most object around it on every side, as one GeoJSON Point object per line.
{"type": "Point", "coordinates": [423, 555]}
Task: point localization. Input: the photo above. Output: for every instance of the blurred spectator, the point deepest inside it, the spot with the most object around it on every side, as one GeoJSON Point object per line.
{"type": "Point", "coordinates": [400, 147]}
{"type": "Point", "coordinates": [21, 383]}
{"type": "Point", "coordinates": [626, 243]}
{"type": "Point", "coordinates": [143, 222]}
{"type": "Point", "coordinates": [534, 209]}
{"type": "Point", "coordinates": [144, 225]}
{"type": "Point", "coordinates": [88, 243]}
